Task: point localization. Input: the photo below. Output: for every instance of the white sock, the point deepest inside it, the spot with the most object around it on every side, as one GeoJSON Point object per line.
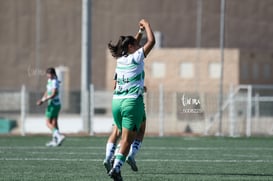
{"type": "Point", "coordinates": [56, 133]}
{"type": "Point", "coordinates": [119, 160]}
{"type": "Point", "coordinates": [135, 146]}
{"type": "Point", "coordinates": [110, 149]}
{"type": "Point", "coordinates": [117, 149]}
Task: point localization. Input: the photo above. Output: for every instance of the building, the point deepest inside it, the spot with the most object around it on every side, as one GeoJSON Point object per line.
{"type": "Point", "coordinates": [33, 39]}
{"type": "Point", "coordinates": [190, 70]}
{"type": "Point", "coordinates": [190, 82]}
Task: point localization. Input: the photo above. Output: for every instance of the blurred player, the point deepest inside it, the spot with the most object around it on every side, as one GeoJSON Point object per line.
{"type": "Point", "coordinates": [51, 96]}
{"type": "Point", "coordinates": [127, 104]}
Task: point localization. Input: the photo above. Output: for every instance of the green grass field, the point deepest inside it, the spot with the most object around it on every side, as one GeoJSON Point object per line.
{"type": "Point", "coordinates": [160, 159]}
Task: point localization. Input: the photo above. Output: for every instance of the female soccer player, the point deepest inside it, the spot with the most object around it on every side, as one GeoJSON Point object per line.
{"type": "Point", "coordinates": [112, 149]}
{"type": "Point", "coordinates": [51, 95]}
{"type": "Point", "coordinates": [127, 104]}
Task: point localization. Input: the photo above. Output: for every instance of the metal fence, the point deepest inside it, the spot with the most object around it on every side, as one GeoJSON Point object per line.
{"type": "Point", "coordinates": [247, 111]}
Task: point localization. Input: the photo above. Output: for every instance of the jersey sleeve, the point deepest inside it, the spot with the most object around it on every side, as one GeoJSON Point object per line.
{"type": "Point", "coordinates": [55, 84]}
{"type": "Point", "coordinates": [139, 55]}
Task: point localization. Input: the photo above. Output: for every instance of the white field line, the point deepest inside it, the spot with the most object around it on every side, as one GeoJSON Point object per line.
{"type": "Point", "coordinates": [59, 153]}
{"type": "Point", "coordinates": [143, 153]}
{"type": "Point", "coordinates": [144, 148]}
{"type": "Point", "coordinates": [248, 155]}
{"type": "Point", "coordinates": [208, 148]}
{"type": "Point", "coordinates": [263, 156]}
{"type": "Point", "coordinates": [148, 153]}
{"type": "Point", "coordinates": [141, 160]}
{"type": "Point", "coordinates": [46, 148]}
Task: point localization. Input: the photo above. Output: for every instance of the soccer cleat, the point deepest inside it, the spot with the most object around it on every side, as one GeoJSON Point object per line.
{"type": "Point", "coordinates": [60, 140]}
{"type": "Point", "coordinates": [107, 165]}
{"type": "Point", "coordinates": [116, 176]}
{"type": "Point", "coordinates": [52, 143]}
{"type": "Point", "coordinates": [131, 161]}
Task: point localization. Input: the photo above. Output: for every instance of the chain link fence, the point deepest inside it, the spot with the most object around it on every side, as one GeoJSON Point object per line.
{"type": "Point", "coordinates": [247, 111]}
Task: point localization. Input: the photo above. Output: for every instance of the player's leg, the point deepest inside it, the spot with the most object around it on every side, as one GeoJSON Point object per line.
{"type": "Point", "coordinates": [110, 148]}
{"type": "Point", "coordinates": [49, 116]}
{"type": "Point", "coordinates": [140, 134]}
{"type": "Point", "coordinates": [56, 133]}
{"type": "Point", "coordinates": [127, 137]}
{"type": "Point", "coordinates": [135, 147]}
{"type": "Point", "coordinates": [52, 113]}
{"type": "Point", "coordinates": [132, 112]}
{"type": "Point", "coordinates": [111, 143]}
{"type": "Point", "coordinates": [50, 125]}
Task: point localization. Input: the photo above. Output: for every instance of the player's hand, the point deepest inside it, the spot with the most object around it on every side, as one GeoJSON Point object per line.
{"type": "Point", "coordinates": [141, 27]}
{"type": "Point", "coordinates": [39, 102]}
{"type": "Point", "coordinates": [143, 23]}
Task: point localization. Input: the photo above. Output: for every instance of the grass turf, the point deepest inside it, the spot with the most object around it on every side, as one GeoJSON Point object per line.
{"type": "Point", "coordinates": [160, 159]}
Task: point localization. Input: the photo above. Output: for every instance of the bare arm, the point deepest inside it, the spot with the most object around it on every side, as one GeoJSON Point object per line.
{"type": "Point", "coordinates": [54, 93]}
{"type": "Point", "coordinates": [45, 97]}
{"type": "Point", "coordinates": [40, 101]}
{"type": "Point", "coordinates": [45, 94]}
{"type": "Point", "coordinates": [150, 37]}
{"type": "Point", "coordinates": [139, 34]}
{"type": "Point", "coordinates": [115, 84]}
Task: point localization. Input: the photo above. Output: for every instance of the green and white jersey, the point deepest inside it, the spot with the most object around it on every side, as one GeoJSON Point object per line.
{"type": "Point", "coordinates": [51, 85]}
{"type": "Point", "coordinates": [130, 76]}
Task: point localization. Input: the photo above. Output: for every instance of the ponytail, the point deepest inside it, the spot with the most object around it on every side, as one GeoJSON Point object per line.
{"type": "Point", "coordinates": [121, 48]}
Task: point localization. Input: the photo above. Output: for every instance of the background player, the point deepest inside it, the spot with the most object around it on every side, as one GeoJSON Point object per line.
{"type": "Point", "coordinates": [51, 96]}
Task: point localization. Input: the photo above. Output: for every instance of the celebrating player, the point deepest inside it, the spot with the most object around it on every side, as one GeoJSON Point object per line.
{"type": "Point", "coordinates": [112, 150]}
{"type": "Point", "coordinates": [127, 104]}
{"type": "Point", "coordinates": [53, 107]}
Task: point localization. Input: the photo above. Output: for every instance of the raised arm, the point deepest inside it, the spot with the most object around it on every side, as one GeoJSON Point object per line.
{"type": "Point", "coordinates": [150, 36]}
{"type": "Point", "coordinates": [139, 34]}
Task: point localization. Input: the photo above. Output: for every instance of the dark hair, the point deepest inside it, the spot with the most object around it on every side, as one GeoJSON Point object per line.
{"type": "Point", "coordinates": [52, 71]}
{"type": "Point", "coordinates": [121, 48]}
